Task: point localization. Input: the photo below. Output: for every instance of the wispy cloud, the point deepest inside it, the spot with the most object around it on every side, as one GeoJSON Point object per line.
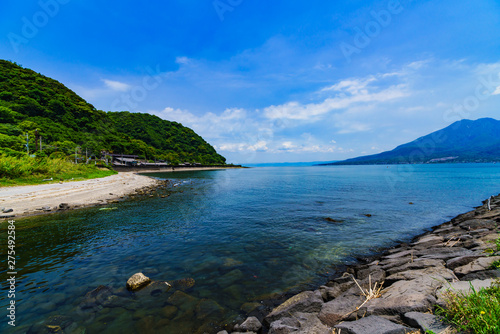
{"type": "Point", "coordinates": [116, 85]}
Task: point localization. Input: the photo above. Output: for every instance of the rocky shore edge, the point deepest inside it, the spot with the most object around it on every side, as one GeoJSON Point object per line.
{"type": "Point", "coordinates": [396, 291]}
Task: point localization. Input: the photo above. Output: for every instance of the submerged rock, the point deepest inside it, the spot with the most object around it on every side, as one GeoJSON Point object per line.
{"type": "Point", "coordinates": [137, 281]}
{"type": "Point", "coordinates": [183, 284]}
{"type": "Point", "coordinates": [96, 297]}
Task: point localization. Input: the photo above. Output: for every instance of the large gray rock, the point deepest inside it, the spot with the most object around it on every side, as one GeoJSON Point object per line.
{"type": "Point", "coordinates": [306, 302]}
{"type": "Point", "coordinates": [460, 261]}
{"type": "Point", "coordinates": [417, 295]}
{"type": "Point", "coordinates": [376, 273]}
{"type": "Point", "coordinates": [463, 287]}
{"type": "Point", "coordinates": [137, 281]}
{"type": "Point", "coordinates": [481, 275]}
{"type": "Point", "coordinates": [393, 263]}
{"type": "Point", "coordinates": [340, 308]}
{"type": "Point", "coordinates": [439, 273]}
{"type": "Point", "coordinates": [416, 264]}
{"type": "Point", "coordinates": [372, 325]}
{"type": "Point", "coordinates": [334, 290]}
{"type": "Point", "coordinates": [428, 240]}
{"type": "Point", "coordinates": [302, 323]}
{"type": "Point", "coordinates": [447, 253]}
{"type": "Point", "coordinates": [482, 263]}
{"type": "Point", "coordinates": [399, 254]}
{"type": "Point", "coordinates": [251, 324]}
{"type": "Point", "coordinates": [474, 224]}
{"type": "Point", "coordinates": [425, 322]}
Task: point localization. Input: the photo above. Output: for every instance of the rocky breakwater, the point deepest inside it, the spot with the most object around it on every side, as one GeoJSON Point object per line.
{"type": "Point", "coordinates": [396, 292]}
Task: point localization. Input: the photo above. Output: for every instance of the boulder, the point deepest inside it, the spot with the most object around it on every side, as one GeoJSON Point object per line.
{"type": "Point", "coordinates": [137, 281]}
{"type": "Point", "coordinates": [416, 264]}
{"type": "Point", "coordinates": [464, 287]}
{"type": "Point", "coordinates": [306, 302]}
{"type": "Point", "coordinates": [96, 297]}
{"type": "Point", "coordinates": [404, 296]}
{"type": "Point", "coordinates": [447, 253]}
{"type": "Point", "coordinates": [460, 261]}
{"type": "Point", "coordinates": [480, 264]}
{"type": "Point", "coordinates": [481, 275]}
{"type": "Point", "coordinates": [340, 308]}
{"type": "Point", "coordinates": [7, 210]}
{"type": "Point", "coordinates": [428, 240]}
{"type": "Point", "coordinates": [183, 284]}
{"type": "Point", "coordinates": [334, 290]}
{"type": "Point", "coordinates": [439, 273]}
{"type": "Point", "coordinates": [475, 224]}
{"type": "Point", "coordinates": [208, 308]}
{"type": "Point", "coordinates": [182, 300]}
{"type": "Point", "coordinates": [251, 324]}
{"type": "Point", "coordinates": [372, 325]}
{"type": "Point", "coordinates": [393, 263]}
{"type": "Point", "coordinates": [400, 254]}
{"type": "Point", "coordinates": [302, 323]}
{"type": "Point", "coordinates": [376, 272]}
{"type": "Point", "coordinates": [425, 321]}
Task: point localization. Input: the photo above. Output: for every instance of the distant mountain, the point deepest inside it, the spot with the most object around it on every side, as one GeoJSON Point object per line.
{"type": "Point", "coordinates": [40, 107]}
{"type": "Point", "coordinates": [463, 141]}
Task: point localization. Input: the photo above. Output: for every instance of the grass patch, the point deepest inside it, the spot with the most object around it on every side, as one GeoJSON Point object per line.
{"type": "Point", "coordinates": [478, 312]}
{"type": "Point", "coordinates": [16, 171]}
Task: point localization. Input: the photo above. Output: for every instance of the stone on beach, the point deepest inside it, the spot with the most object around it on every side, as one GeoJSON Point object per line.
{"type": "Point", "coordinates": [301, 323]}
{"type": "Point", "coordinates": [482, 263]}
{"type": "Point", "coordinates": [305, 302]}
{"type": "Point", "coordinates": [251, 324]}
{"type": "Point", "coordinates": [137, 281]}
{"type": "Point", "coordinates": [425, 321]}
{"type": "Point", "coordinates": [404, 296]}
{"type": "Point", "coordinates": [372, 325]}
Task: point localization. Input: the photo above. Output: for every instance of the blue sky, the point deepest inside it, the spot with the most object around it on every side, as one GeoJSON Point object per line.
{"type": "Point", "coordinates": [271, 81]}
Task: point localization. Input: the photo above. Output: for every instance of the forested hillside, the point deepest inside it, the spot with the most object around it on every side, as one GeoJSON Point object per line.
{"type": "Point", "coordinates": [33, 104]}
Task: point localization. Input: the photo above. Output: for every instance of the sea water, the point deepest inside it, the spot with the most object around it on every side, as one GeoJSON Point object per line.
{"type": "Point", "coordinates": [231, 239]}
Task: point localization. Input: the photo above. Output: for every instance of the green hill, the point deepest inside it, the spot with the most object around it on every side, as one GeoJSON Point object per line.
{"type": "Point", "coordinates": [463, 141]}
{"type": "Point", "coordinates": [33, 104]}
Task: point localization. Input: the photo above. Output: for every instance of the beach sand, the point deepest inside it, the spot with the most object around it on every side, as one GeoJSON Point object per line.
{"type": "Point", "coordinates": [46, 198]}
{"type": "Point", "coordinates": [29, 200]}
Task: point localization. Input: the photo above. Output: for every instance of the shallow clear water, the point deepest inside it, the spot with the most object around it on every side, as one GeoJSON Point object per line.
{"type": "Point", "coordinates": [242, 235]}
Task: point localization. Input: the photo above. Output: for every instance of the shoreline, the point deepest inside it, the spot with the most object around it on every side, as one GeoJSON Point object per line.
{"type": "Point", "coordinates": [33, 200]}
{"type": "Point", "coordinates": [413, 277]}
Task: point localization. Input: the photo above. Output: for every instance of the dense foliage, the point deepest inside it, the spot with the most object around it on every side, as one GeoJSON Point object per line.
{"type": "Point", "coordinates": [25, 170]}
{"type": "Point", "coordinates": [33, 104]}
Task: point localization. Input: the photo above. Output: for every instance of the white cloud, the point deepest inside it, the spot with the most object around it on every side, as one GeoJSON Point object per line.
{"type": "Point", "coordinates": [497, 91]}
{"type": "Point", "coordinates": [358, 94]}
{"type": "Point", "coordinates": [116, 85]}
{"type": "Point", "coordinates": [182, 60]}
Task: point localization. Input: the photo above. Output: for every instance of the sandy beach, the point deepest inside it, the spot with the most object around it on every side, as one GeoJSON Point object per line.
{"type": "Point", "coordinates": [47, 198]}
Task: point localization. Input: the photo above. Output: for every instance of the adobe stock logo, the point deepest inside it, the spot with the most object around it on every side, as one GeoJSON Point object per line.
{"type": "Point", "coordinates": [223, 6]}
{"type": "Point", "coordinates": [31, 26]}
{"type": "Point", "coordinates": [372, 29]}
